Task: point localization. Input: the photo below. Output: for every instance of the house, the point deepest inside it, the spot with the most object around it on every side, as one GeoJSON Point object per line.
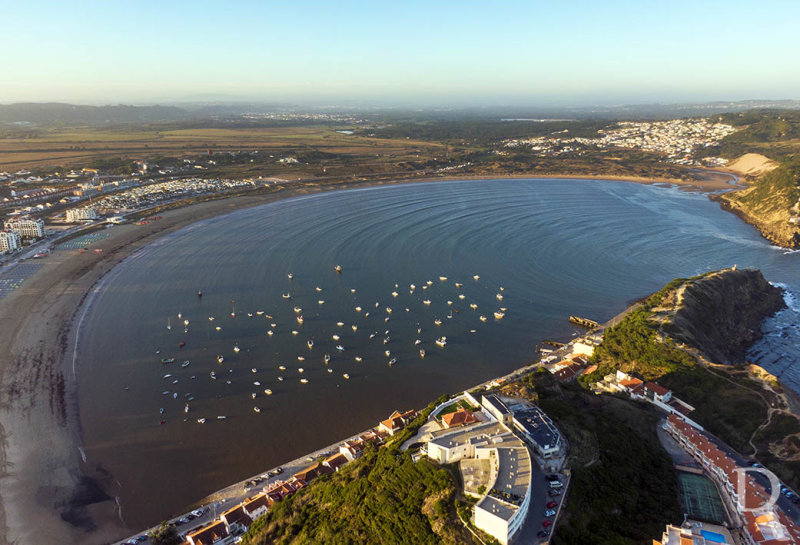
{"type": "Point", "coordinates": [656, 392]}
{"type": "Point", "coordinates": [461, 417]}
{"type": "Point", "coordinates": [397, 421]}
{"type": "Point", "coordinates": [256, 506]}
{"type": "Point", "coordinates": [568, 373]}
{"type": "Point", "coordinates": [312, 472]}
{"type": "Point", "coordinates": [351, 449]}
{"type": "Point", "coordinates": [215, 533]}
{"type": "Point", "coordinates": [539, 430]}
{"type": "Point", "coordinates": [236, 520]}
{"type": "Point", "coordinates": [335, 462]}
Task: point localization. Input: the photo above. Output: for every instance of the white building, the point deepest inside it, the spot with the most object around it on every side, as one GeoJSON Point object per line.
{"type": "Point", "coordinates": [26, 227]}
{"type": "Point", "coordinates": [9, 241]}
{"type": "Point", "coordinates": [81, 214]}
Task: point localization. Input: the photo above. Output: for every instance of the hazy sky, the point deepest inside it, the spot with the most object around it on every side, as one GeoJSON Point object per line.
{"type": "Point", "coordinates": [433, 51]}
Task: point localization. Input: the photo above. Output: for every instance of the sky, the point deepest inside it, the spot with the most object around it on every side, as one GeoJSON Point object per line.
{"type": "Point", "coordinates": [435, 52]}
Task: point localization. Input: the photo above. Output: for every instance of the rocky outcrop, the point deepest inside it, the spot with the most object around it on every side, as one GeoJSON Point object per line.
{"type": "Point", "coordinates": [720, 314]}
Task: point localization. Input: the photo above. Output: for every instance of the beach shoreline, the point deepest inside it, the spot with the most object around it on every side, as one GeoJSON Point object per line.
{"type": "Point", "coordinates": [42, 474]}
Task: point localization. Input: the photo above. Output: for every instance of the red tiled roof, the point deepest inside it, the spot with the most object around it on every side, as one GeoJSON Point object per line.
{"type": "Point", "coordinates": [656, 388]}
{"type": "Point", "coordinates": [256, 502]}
{"type": "Point", "coordinates": [336, 461]}
{"type": "Point", "coordinates": [208, 534]}
{"type": "Point", "coordinates": [459, 418]}
{"type": "Point", "coordinates": [630, 382]}
{"type": "Point", "coordinates": [312, 472]}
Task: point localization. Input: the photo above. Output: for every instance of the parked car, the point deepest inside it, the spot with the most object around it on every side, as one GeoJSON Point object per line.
{"type": "Point", "coordinates": [550, 513]}
{"type": "Point", "coordinates": [552, 505]}
{"type": "Point", "coordinates": [543, 533]}
{"type": "Point", "coordinates": [553, 493]}
{"type": "Point", "coordinates": [141, 538]}
{"type": "Point", "coordinates": [199, 512]}
{"type": "Point", "coordinates": [278, 470]}
{"type": "Point", "coordinates": [555, 484]}
{"type": "Point", "coordinates": [547, 524]}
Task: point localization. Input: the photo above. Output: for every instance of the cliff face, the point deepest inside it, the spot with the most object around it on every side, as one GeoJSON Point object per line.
{"type": "Point", "coordinates": [720, 314]}
{"type": "Point", "coordinates": [771, 204]}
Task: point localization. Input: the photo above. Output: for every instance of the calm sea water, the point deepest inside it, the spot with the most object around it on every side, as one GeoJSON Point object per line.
{"type": "Point", "coordinates": [555, 247]}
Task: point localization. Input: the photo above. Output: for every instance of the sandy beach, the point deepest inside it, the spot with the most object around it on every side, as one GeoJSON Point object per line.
{"type": "Point", "coordinates": [47, 494]}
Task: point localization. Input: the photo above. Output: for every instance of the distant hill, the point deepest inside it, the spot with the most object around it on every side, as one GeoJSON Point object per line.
{"type": "Point", "coordinates": [55, 113]}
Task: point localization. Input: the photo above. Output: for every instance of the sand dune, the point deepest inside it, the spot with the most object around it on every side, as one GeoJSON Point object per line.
{"type": "Point", "coordinates": [752, 164]}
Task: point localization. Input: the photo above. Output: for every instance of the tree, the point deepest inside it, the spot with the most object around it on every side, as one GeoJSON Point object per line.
{"type": "Point", "coordinates": [164, 534]}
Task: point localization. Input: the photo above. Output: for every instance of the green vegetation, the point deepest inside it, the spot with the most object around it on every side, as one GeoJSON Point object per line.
{"type": "Point", "coordinates": [164, 534]}
{"type": "Point", "coordinates": [383, 497]}
{"type": "Point", "coordinates": [779, 447]}
{"type": "Point", "coordinates": [768, 132]}
{"type": "Point", "coordinates": [623, 486]}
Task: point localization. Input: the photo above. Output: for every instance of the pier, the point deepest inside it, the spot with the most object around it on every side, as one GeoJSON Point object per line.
{"type": "Point", "coordinates": [583, 322]}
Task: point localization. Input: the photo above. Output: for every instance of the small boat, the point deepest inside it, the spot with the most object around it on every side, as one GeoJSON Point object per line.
{"type": "Point", "coordinates": [236, 348]}
{"type": "Point", "coordinates": [298, 310]}
{"type": "Point", "coordinates": [175, 395]}
{"type": "Point", "coordinates": [218, 328]}
{"type": "Point", "coordinates": [426, 302]}
{"type": "Point", "coordinates": [260, 312]}
{"type": "Point", "coordinates": [354, 327]}
{"type": "Point", "coordinates": [449, 303]}
{"type": "Point", "coordinates": [256, 409]}
{"type": "Point", "coordinates": [395, 294]}
{"type": "Point", "coordinates": [220, 358]}
{"type": "Point", "coordinates": [286, 295]}
{"type": "Point", "coordinates": [249, 314]}
{"type": "Point", "coordinates": [482, 318]}
{"type": "Point", "coordinates": [320, 302]}
{"type": "Point", "coordinates": [386, 340]}
{"type": "Point", "coordinates": [327, 358]}
{"type": "Point", "coordinates": [310, 343]}
{"type": "Point", "coordinates": [201, 420]}
{"type": "Point", "coordinates": [501, 288]}
{"type": "Point", "coordinates": [437, 321]}
{"type": "Point", "coordinates": [337, 268]}
{"type": "Point", "coordinates": [161, 410]}
{"type": "Point", "coordinates": [442, 279]}
{"type": "Point", "coordinates": [253, 395]}
{"type": "Point", "coordinates": [256, 383]}
{"type": "Point", "coordinates": [186, 408]}
{"type": "Point", "coordinates": [441, 341]}
{"type": "Point", "coordinates": [180, 316]}
{"type": "Point", "coordinates": [169, 326]}
{"type": "Point", "coordinates": [352, 290]}
{"type": "Point", "coordinates": [499, 297]}
{"type": "Point", "coordinates": [461, 296]}
{"type": "Point", "coordinates": [388, 353]}
{"type": "Point", "coordinates": [388, 310]}
{"type": "Point", "coordinates": [459, 284]}
{"type": "Point", "coordinates": [392, 361]}
{"type": "Point", "coordinates": [299, 320]}
{"type": "Point", "coordinates": [329, 370]}
{"type": "Point", "coordinates": [221, 417]}
{"type": "Point", "coordinates": [254, 370]}
{"type": "Point", "coordinates": [318, 288]}
{"type": "Point", "coordinates": [181, 344]}
{"type": "Point", "coordinates": [199, 293]}
{"type": "Point", "coordinates": [280, 379]}
{"type": "Point", "coordinates": [300, 370]}
{"type": "Point", "coordinates": [268, 392]}
{"type": "Point", "coordinates": [413, 287]}
{"type": "Point", "coordinates": [213, 375]}
{"type": "Point", "coordinates": [301, 358]}
{"type": "Point", "coordinates": [421, 352]}
{"type": "Point", "coordinates": [335, 337]}
{"type": "Point", "coordinates": [339, 347]}
{"type": "Point", "coordinates": [358, 309]}
{"type": "Point", "coordinates": [304, 380]}
{"type": "Point", "coordinates": [290, 276]}
{"type": "Point", "coordinates": [499, 315]}
{"type": "Point", "coordinates": [228, 382]}
{"type": "Point", "coordinates": [175, 381]}
{"type": "Point", "coordinates": [476, 277]}
{"type": "Point", "coordinates": [295, 332]}
{"type": "Point", "coordinates": [210, 318]}
{"type": "Point", "coordinates": [429, 282]}
{"type": "Point", "coordinates": [473, 306]}
{"type": "Point", "coordinates": [165, 393]}
{"type": "Point", "coordinates": [167, 360]}
{"type": "Point", "coordinates": [168, 375]}
{"type": "Point", "coordinates": [358, 359]}
{"type": "Point", "coordinates": [345, 375]}
{"type": "Point", "coordinates": [417, 342]}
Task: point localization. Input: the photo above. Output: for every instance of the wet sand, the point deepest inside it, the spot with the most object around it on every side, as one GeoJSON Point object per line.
{"type": "Point", "coordinates": [44, 494]}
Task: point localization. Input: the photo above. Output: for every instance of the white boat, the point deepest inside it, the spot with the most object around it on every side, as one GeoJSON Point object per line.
{"type": "Point", "coordinates": [461, 296]}
{"type": "Point", "coordinates": [426, 302]}
{"type": "Point", "coordinates": [295, 332]}
{"type": "Point", "coordinates": [304, 380]}
{"type": "Point", "coordinates": [201, 420]}
{"type": "Point", "coordinates": [358, 309]}
{"type": "Point", "coordinates": [329, 370]}
{"type": "Point", "coordinates": [180, 316]}
{"type": "Point", "coordinates": [318, 288]}
{"type": "Point", "coordinates": [358, 359]}
{"type": "Point", "coordinates": [499, 297]}
{"type": "Point", "coordinates": [388, 310]}
{"type": "Point", "coordinates": [437, 322]}
{"type": "Point", "coordinates": [417, 342]}
{"type": "Point", "coordinates": [286, 295]}
{"type": "Point", "coordinates": [221, 417]}
{"type": "Point", "coordinates": [220, 358]}
{"type": "Point", "coordinates": [175, 395]}
{"type": "Point", "coordinates": [185, 364]}
{"type": "Point", "coordinates": [290, 276]}
{"type": "Point", "coordinates": [169, 326]}
{"type": "Point", "coordinates": [300, 370]}
{"type": "Point", "coordinates": [346, 376]}
{"type": "Point", "coordinates": [257, 409]}
{"type": "Point", "coordinates": [310, 343]}
{"type": "Point", "coordinates": [320, 302]}
{"type": "Point", "coordinates": [335, 337]}
{"type": "Point", "coordinates": [501, 288]}
{"type": "Point", "coordinates": [442, 279]}
{"type": "Point", "coordinates": [395, 294]}
{"type": "Point", "coordinates": [499, 315]}
{"type": "Point", "coordinates": [210, 318]}
{"type": "Point", "coordinates": [429, 282]}
{"type": "Point", "coordinates": [473, 306]}
{"type": "Point", "coordinates": [256, 383]}
{"type": "Point", "coordinates": [337, 268]}
{"type": "Point", "coordinates": [482, 318]}
{"type": "Point", "coordinates": [218, 328]}
{"type": "Point", "coordinates": [412, 286]}
{"type": "Point", "coordinates": [352, 290]}
{"type": "Point", "coordinates": [253, 395]}
{"type": "Point", "coordinates": [254, 370]}
{"type": "Point", "coordinates": [299, 320]}
{"type": "Point", "coordinates": [280, 379]}
{"type": "Point", "coordinates": [441, 341]}
{"type": "Point", "coordinates": [268, 392]}
{"type": "Point", "coordinates": [282, 367]}
{"type": "Point", "coordinates": [340, 324]}
{"type": "Point", "coordinates": [459, 284]}
{"type": "Point", "coordinates": [236, 348]}
{"type": "Point", "coordinates": [298, 310]}
{"type": "Point", "coordinates": [168, 375]}
{"type": "Point", "coordinates": [270, 333]}
{"type": "Point", "coordinates": [327, 358]}
{"type": "Point", "coordinates": [260, 312]}
{"type": "Point", "coordinates": [392, 361]}
{"type": "Point", "coordinates": [476, 277]}
{"type": "Point", "coordinates": [186, 322]}
{"type": "Point", "coordinates": [186, 408]}
{"type": "Point", "coordinates": [387, 353]}
{"type": "Point", "coordinates": [421, 352]}
{"type": "Point", "coordinates": [449, 303]}
{"type": "Point", "coordinates": [213, 375]}
{"type": "Point", "coordinates": [354, 327]}
{"type": "Point", "coordinates": [301, 358]}
{"type": "Point", "coordinates": [339, 347]}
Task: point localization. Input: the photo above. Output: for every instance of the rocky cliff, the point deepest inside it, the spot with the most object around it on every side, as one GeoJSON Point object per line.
{"type": "Point", "coordinates": [719, 314]}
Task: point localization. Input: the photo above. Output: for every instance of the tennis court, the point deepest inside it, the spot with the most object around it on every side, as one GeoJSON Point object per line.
{"type": "Point", "coordinates": [700, 499]}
